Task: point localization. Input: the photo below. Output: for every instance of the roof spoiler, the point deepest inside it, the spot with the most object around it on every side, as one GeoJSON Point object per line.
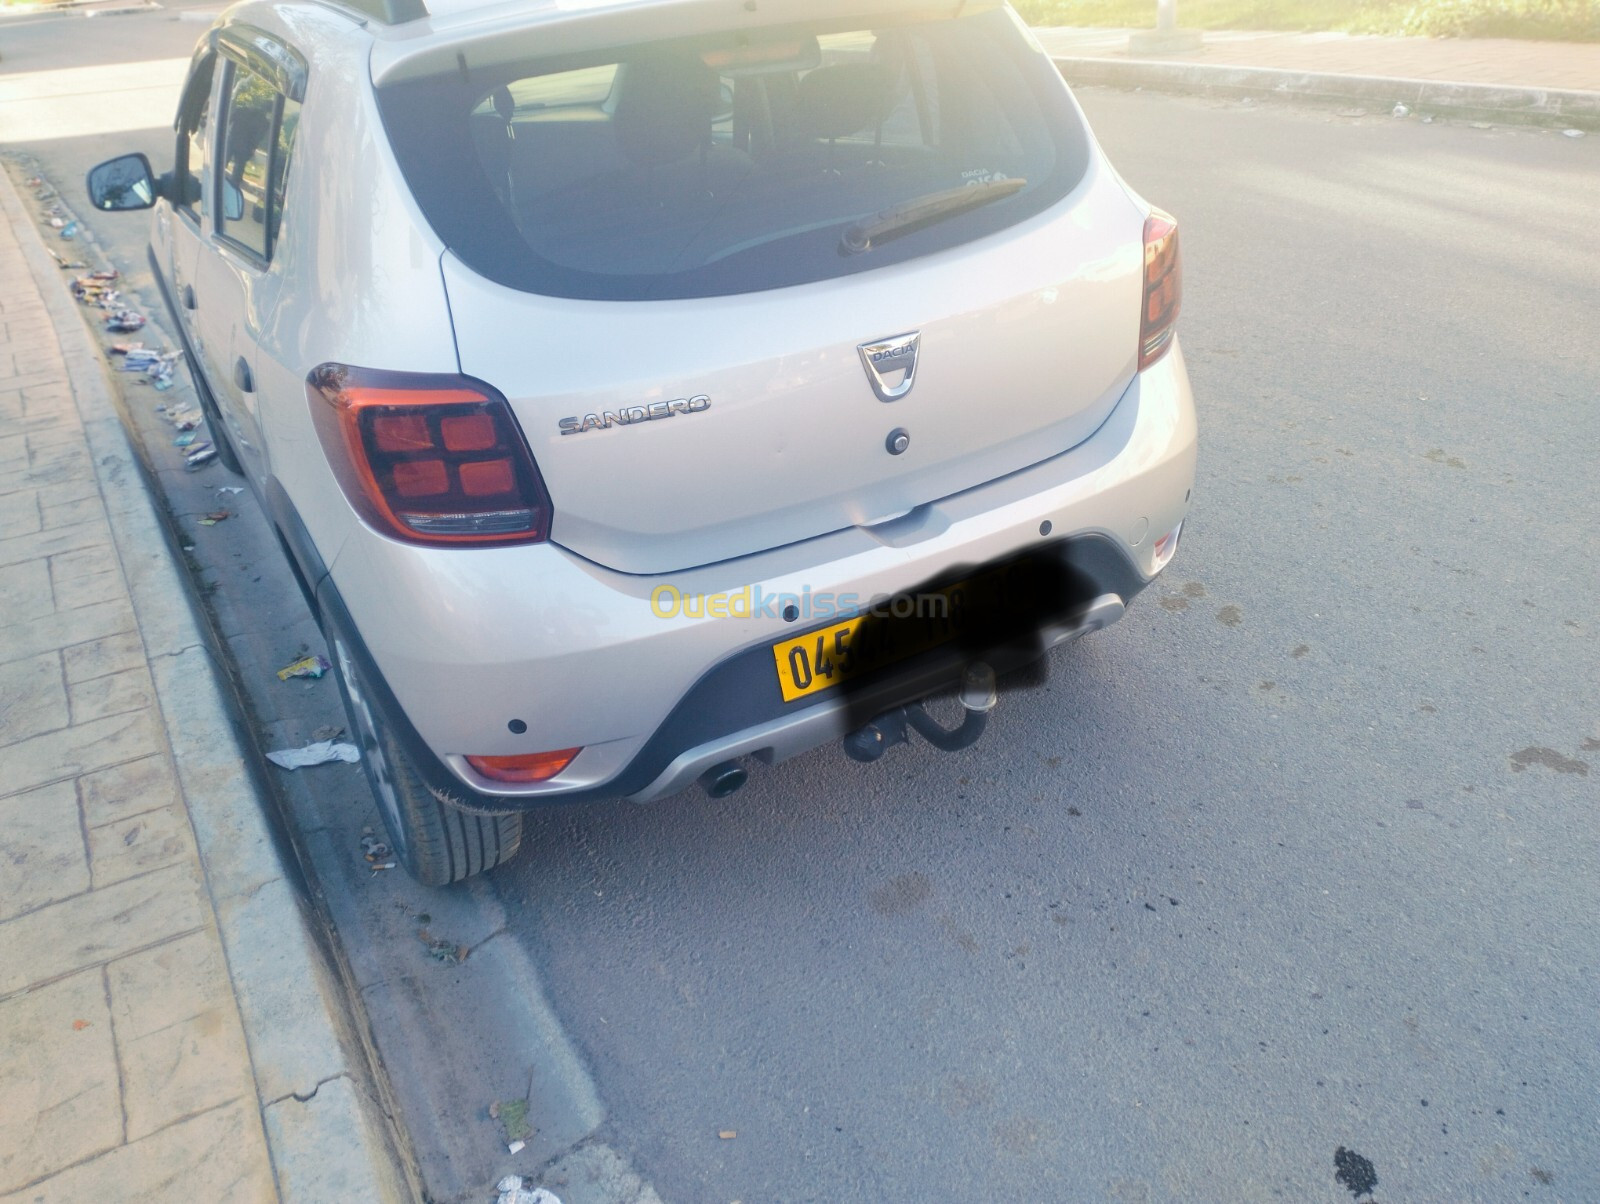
{"type": "Point", "coordinates": [384, 12]}
{"type": "Point", "coordinates": [516, 30]}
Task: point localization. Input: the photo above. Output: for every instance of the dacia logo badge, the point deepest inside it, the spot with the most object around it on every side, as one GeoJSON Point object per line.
{"type": "Point", "coordinates": [883, 358]}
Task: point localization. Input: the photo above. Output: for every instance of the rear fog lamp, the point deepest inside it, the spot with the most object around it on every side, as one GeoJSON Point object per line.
{"type": "Point", "coordinates": [530, 767]}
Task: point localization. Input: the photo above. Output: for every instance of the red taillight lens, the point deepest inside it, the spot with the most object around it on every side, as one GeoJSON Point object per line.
{"type": "Point", "coordinates": [533, 767]}
{"type": "Point", "coordinates": [430, 459]}
{"type": "Point", "coordinates": [1163, 287]}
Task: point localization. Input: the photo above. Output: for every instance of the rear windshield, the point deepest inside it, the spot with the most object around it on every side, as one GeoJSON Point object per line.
{"type": "Point", "coordinates": [734, 163]}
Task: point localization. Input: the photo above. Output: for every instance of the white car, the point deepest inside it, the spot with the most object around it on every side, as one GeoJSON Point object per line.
{"type": "Point", "coordinates": [648, 389]}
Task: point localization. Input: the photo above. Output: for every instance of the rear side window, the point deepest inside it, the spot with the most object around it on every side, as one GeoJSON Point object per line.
{"type": "Point", "coordinates": [733, 163]}
{"type": "Point", "coordinates": [282, 151]}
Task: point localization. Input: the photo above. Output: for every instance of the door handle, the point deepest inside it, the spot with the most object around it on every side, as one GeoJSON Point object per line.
{"type": "Point", "coordinates": [241, 376]}
{"type": "Point", "coordinates": [188, 296]}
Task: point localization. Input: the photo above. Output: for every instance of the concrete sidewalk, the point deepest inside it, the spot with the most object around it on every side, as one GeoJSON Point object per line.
{"type": "Point", "coordinates": [169, 1029]}
{"type": "Point", "coordinates": [1554, 83]}
{"type": "Point", "coordinates": [1501, 61]}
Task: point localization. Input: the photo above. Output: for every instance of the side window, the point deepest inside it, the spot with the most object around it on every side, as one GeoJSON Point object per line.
{"type": "Point", "coordinates": [192, 117]}
{"type": "Point", "coordinates": [243, 195]}
{"type": "Point", "coordinates": [282, 149]}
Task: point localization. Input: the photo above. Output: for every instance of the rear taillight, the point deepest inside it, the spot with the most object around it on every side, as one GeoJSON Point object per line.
{"type": "Point", "coordinates": [429, 458]}
{"type": "Point", "coordinates": [1163, 287]}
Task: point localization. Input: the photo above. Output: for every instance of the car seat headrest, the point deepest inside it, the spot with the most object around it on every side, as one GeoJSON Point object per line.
{"type": "Point", "coordinates": [665, 108]}
{"type": "Point", "coordinates": [503, 103]}
{"type": "Point", "coordinates": [843, 98]}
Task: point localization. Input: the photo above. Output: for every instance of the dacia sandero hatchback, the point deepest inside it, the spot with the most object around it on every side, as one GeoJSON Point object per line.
{"type": "Point", "coordinates": [645, 390]}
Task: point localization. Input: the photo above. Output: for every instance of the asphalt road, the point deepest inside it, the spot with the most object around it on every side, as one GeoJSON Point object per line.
{"type": "Point", "coordinates": [1301, 855]}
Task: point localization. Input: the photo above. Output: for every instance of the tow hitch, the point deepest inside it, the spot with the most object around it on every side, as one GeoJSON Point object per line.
{"type": "Point", "coordinates": [978, 697]}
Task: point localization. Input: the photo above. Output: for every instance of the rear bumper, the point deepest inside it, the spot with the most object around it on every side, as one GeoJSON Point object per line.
{"type": "Point", "coordinates": [577, 654]}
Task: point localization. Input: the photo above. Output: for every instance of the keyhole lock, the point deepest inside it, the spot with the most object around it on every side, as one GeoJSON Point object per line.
{"type": "Point", "coordinates": [899, 439]}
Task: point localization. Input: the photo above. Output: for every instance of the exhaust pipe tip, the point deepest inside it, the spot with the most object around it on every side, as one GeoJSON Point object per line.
{"type": "Point", "coordinates": [722, 780]}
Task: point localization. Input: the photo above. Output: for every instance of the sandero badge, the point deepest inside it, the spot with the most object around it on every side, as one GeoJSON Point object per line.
{"type": "Point", "coordinates": [885, 357]}
{"type": "Point", "coordinates": [627, 417]}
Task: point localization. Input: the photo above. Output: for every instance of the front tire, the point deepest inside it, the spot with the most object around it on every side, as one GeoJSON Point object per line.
{"type": "Point", "coordinates": [438, 844]}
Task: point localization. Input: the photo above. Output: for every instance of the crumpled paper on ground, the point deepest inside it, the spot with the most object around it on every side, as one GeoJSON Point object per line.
{"type": "Point", "coordinates": [320, 753]}
{"type": "Point", "coordinates": [513, 1192]}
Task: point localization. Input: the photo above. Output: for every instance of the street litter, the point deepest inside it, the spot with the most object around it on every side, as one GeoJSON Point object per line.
{"type": "Point", "coordinates": [1573, 133]}
{"type": "Point", "coordinates": [728, 1134]}
{"type": "Point", "coordinates": [442, 950]}
{"type": "Point", "coordinates": [516, 1147]}
{"type": "Point", "coordinates": [186, 438]}
{"type": "Point", "coordinates": [125, 321]}
{"type": "Point", "coordinates": [125, 348]}
{"type": "Point", "coordinates": [57, 223]}
{"type": "Point", "coordinates": [200, 455]}
{"type": "Point", "coordinates": [1400, 111]}
{"type": "Point", "coordinates": [70, 232]}
{"type": "Point", "coordinates": [97, 289]}
{"type": "Point", "coordinates": [185, 420]}
{"type": "Point", "coordinates": [231, 489]}
{"type": "Point", "coordinates": [140, 359]}
{"type": "Point", "coordinates": [323, 752]}
{"type": "Point", "coordinates": [374, 850]}
{"type": "Point", "coordinates": [513, 1191]}
{"type": "Point", "coordinates": [311, 666]}
{"type": "Point", "coordinates": [329, 731]}
{"type": "Point", "coordinates": [215, 517]}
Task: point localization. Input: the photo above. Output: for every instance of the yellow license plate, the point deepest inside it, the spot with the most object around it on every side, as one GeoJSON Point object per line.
{"type": "Point", "coordinates": [810, 663]}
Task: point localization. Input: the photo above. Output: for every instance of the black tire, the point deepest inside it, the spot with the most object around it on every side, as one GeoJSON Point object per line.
{"type": "Point", "coordinates": [226, 456]}
{"type": "Point", "coordinates": [436, 843]}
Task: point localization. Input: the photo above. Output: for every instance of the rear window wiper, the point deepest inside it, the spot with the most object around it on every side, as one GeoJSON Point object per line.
{"type": "Point", "coordinates": [900, 219]}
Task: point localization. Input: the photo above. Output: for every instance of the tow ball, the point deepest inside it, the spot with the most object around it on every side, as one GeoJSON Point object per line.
{"type": "Point", "coordinates": [978, 697]}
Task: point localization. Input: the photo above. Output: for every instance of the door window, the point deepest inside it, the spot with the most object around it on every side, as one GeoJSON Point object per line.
{"type": "Point", "coordinates": [242, 198]}
{"type": "Point", "coordinates": [258, 134]}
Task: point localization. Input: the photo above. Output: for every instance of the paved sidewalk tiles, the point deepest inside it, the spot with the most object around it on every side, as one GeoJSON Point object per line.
{"type": "Point", "coordinates": [124, 1073]}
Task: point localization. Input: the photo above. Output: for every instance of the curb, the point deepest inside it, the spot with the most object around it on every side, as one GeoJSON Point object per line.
{"type": "Point", "coordinates": [1480, 102]}
{"type": "Point", "coordinates": [326, 1137]}
{"type": "Point", "coordinates": [31, 13]}
{"type": "Point", "coordinates": [123, 11]}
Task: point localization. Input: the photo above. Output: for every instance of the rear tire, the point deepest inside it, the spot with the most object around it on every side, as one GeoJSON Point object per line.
{"type": "Point", "coordinates": [438, 844]}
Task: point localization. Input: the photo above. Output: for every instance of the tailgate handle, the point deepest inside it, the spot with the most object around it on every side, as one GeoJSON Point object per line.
{"type": "Point", "coordinates": [188, 296]}
{"type": "Point", "coordinates": [241, 376]}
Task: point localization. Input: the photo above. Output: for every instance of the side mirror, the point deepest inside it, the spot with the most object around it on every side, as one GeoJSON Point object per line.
{"type": "Point", "coordinates": [122, 183]}
{"type": "Point", "coordinates": [232, 202]}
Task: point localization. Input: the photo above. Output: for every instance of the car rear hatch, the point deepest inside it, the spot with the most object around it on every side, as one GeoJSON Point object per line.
{"type": "Point", "coordinates": [656, 254]}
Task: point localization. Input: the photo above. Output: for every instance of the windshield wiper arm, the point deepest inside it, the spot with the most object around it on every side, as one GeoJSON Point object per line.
{"type": "Point", "coordinates": [900, 219]}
